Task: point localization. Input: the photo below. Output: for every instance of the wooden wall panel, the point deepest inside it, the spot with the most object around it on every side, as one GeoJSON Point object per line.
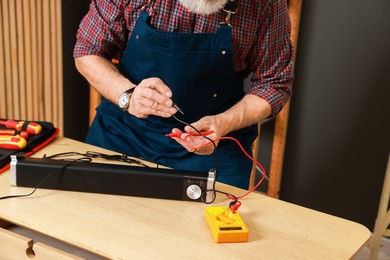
{"type": "Point", "coordinates": [2, 69]}
{"type": "Point", "coordinates": [31, 79]}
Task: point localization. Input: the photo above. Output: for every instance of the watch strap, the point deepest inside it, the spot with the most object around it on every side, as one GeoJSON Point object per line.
{"type": "Point", "coordinates": [127, 93]}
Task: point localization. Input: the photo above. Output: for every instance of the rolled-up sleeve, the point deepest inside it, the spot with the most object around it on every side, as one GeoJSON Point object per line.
{"type": "Point", "coordinates": [273, 65]}
{"type": "Point", "coordinates": [102, 31]}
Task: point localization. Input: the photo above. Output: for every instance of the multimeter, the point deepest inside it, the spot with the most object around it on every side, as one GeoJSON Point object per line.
{"type": "Point", "coordinates": [226, 225]}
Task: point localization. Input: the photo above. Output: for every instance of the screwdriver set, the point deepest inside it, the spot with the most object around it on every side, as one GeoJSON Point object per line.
{"type": "Point", "coordinates": [14, 137]}
{"type": "Point", "coordinates": [23, 136]}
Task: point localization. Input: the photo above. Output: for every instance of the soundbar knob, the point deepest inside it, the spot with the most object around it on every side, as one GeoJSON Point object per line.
{"type": "Point", "coordinates": [194, 192]}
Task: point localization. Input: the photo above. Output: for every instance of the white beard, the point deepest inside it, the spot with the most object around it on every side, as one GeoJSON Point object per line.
{"type": "Point", "coordinates": [203, 6]}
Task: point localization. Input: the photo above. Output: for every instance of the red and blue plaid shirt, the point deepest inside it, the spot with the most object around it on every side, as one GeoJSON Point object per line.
{"type": "Point", "coordinates": [261, 37]}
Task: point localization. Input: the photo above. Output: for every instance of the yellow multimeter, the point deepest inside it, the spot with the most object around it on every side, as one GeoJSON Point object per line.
{"type": "Point", "coordinates": [226, 225]}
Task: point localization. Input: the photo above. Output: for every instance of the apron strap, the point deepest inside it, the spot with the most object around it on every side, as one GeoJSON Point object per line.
{"type": "Point", "coordinates": [229, 8]}
{"type": "Point", "coordinates": [149, 7]}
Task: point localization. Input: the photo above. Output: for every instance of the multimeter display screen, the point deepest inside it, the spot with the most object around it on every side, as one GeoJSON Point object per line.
{"type": "Point", "coordinates": [230, 228]}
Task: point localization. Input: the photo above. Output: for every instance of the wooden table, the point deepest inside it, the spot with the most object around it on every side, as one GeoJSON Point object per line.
{"type": "Point", "coordinates": [124, 227]}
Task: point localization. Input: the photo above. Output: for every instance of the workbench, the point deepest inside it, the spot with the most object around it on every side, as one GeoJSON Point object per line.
{"type": "Point", "coordinates": [126, 227]}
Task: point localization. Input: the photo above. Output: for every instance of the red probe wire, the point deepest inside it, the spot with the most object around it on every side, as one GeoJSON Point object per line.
{"type": "Point", "coordinates": [247, 155]}
{"type": "Point", "coordinates": [253, 160]}
{"type": "Point", "coordinates": [237, 204]}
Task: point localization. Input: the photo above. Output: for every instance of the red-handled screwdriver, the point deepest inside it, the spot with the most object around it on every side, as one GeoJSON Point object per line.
{"type": "Point", "coordinates": [32, 127]}
{"type": "Point", "coordinates": [12, 142]}
{"type": "Point", "coordinates": [14, 132]}
{"type": "Point", "coordinates": [177, 135]}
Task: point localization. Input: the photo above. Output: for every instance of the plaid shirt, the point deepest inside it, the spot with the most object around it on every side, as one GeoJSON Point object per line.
{"type": "Point", "coordinates": [261, 37]}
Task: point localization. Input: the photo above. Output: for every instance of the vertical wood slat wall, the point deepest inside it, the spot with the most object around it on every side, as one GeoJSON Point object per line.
{"type": "Point", "coordinates": [31, 60]}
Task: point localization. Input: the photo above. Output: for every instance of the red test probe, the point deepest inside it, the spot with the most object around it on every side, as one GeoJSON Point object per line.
{"type": "Point", "coordinates": [177, 135]}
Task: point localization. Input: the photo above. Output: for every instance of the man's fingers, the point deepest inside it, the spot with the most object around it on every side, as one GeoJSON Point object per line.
{"type": "Point", "coordinates": [157, 85]}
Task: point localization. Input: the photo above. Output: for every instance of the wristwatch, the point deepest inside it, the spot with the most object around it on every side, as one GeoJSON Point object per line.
{"type": "Point", "coordinates": [124, 99]}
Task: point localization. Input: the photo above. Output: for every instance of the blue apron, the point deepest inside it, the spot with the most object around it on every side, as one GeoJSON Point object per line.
{"type": "Point", "coordinates": [199, 69]}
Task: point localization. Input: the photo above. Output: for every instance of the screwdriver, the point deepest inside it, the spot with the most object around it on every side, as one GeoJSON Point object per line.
{"type": "Point", "coordinates": [13, 132]}
{"type": "Point", "coordinates": [12, 142]}
{"type": "Point", "coordinates": [32, 127]}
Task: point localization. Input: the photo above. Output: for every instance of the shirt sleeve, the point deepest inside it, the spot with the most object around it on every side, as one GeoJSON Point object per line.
{"type": "Point", "coordinates": [273, 65]}
{"type": "Point", "coordinates": [102, 31]}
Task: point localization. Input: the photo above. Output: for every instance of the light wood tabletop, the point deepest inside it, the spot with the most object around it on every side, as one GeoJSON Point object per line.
{"type": "Point", "coordinates": [126, 227]}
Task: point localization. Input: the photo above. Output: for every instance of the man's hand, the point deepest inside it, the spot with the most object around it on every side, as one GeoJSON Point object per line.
{"type": "Point", "coordinates": [197, 143]}
{"type": "Point", "coordinates": [151, 97]}
{"type": "Point", "coordinates": [248, 111]}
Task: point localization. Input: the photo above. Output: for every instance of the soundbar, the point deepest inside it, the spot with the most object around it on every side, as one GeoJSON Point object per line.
{"type": "Point", "coordinates": [112, 179]}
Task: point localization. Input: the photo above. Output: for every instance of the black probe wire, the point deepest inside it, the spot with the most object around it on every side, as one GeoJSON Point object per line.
{"type": "Point", "coordinates": [89, 155]}
{"type": "Point", "coordinates": [216, 162]}
{"type": "Point", "coordinates": [214, 151]}
{"type": "Point", "coordinates": [214, 190]}
{"type": "Point", "coordinates": [40, 183]}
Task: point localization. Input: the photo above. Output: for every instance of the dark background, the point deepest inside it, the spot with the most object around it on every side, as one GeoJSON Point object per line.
{"type": "Point", "coordinates": [338, 138]}
{"type": "Point", "coordinates": [338, 134]}
{"type": "Point", "coordinates": [76, 89]}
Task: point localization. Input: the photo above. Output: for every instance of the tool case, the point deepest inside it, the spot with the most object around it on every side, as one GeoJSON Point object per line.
{"type": "Point", "coordinates": [34, 142]}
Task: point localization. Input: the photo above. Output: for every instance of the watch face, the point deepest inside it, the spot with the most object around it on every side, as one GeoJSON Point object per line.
{"type": "Point", "coordinates": [123, 100]}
